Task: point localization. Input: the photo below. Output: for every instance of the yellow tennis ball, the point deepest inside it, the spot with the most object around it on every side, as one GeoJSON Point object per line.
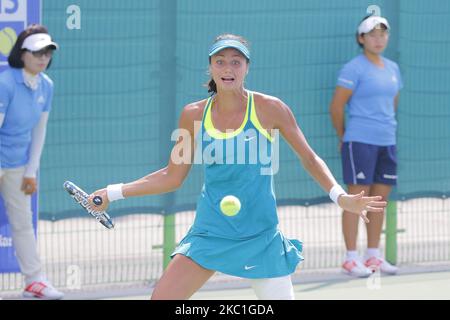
{"type": "Point", "coordinates": [7, 39]}
{"type": "Point", "coordinates": [230, 206]}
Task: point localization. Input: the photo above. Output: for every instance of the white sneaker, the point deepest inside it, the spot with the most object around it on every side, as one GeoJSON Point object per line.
{"type": "Point", "coordinates": [380, 264]}
{"type": "Point", "coordinates": [43, 290]}
{"type": "Point", "coordinates": [356, 268]}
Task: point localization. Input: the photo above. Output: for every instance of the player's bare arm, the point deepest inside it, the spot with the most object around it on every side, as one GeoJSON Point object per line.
{"type": "Point", "coordinates": [274, 113]}
{"type": "Point", "coordinates": [171, 177]}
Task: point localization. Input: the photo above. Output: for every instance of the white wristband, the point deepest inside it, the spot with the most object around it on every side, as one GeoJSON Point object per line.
{"type": "Point", "coordinates": [335, 192]}
{"type": "Point", "coordinates": [114, 192]}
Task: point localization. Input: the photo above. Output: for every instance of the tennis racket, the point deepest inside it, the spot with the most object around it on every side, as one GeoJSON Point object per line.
{"type": "Point", "coordinates": [81, 198]}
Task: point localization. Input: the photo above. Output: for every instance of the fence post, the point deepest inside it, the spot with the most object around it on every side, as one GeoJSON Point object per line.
{"type": "Point", "coordinates": [167, 110]}
{"type": "Point", "coordinates": [169, 238]}
{"type": "Point", "coordinates": [391, 232]}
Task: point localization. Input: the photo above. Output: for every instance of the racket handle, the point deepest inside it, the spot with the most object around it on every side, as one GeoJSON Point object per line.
{"type": "Point", "coordinates": [97, 200]}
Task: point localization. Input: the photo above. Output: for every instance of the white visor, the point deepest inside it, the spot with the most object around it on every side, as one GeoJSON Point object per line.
{"type": "Point", "coordinates": [370, 23]}
{"type": "Point", "coordinates": [38, 41]}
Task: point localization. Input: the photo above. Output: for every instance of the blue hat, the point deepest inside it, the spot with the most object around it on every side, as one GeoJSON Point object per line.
{"type": "Point", "coordinates": [229, 43]}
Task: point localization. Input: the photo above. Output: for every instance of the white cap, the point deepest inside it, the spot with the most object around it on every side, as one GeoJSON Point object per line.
{"type": "Point", "coordinates": [370, 23]}
{"type": "Point", "coordinates": [38, 41]}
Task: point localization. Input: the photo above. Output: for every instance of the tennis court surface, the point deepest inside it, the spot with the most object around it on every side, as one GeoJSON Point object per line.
{"type": "Point", "coordinates": [434, 285]}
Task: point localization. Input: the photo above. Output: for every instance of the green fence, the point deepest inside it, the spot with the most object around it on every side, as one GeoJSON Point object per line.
{"type": "Point", "coordinates": [123, 78]}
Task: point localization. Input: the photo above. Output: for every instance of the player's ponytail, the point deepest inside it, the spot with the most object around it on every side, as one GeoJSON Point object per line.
{"type": "Point", "coordinates": [212, 87]}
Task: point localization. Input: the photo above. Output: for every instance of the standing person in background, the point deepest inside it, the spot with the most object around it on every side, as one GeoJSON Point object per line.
{"type": "Point", "coordinates": [25, 102]}
{"type": "Point", "coordinates": [369, 84]}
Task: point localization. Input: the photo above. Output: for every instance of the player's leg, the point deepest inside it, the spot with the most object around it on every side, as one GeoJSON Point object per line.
{"type": "Point", "coordinates": [385, 178]}
{"type": "Point", "coordinates": [358, 168]}
{"type": "Point", "coordinates": [182, 278]}
{"type": "Point", "coordinates": [279, 288]}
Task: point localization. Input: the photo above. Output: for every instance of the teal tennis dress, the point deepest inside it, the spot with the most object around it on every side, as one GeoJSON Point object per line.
{"type": "Point", "coordinates": [248, 244]}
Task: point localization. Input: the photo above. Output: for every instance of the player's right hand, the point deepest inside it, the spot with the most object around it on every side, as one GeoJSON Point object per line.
{"type": "Point", "coordinates": [105, 202]}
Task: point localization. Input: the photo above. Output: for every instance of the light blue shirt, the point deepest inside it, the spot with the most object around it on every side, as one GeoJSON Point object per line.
{"type": "Point", "coordinates": [22, 108]}
{"type": "Point", "coordinates": [371, 112]}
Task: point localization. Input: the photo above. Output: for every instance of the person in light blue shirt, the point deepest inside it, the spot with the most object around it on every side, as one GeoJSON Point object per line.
{"type": "Point", "coordinates": [26, 94]}
{"type": "Point", "coordinates": [234, 132]}
{"type": "Point", "coordinates": [369, 85]}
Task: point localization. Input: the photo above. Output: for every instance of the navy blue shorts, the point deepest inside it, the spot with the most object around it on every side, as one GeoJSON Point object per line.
{"type": "Point", "coordinates": [367, 164]}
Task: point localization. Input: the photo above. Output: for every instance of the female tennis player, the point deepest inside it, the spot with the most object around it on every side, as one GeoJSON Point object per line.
{"type": "Point", "coordinates": [249, 243]}
{"type": "Point", "coordinates": [369, 84]}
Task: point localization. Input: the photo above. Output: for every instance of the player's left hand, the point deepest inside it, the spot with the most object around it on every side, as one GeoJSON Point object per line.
{"type": "Point", "coordinates": [358, 204]}
{"type": "Point", "coordinates": [29, 185]}
{"type": "Point", "coordinates": [105, 202]}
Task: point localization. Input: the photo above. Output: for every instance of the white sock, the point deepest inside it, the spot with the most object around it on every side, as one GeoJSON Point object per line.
{"type": "Point", "coordinates": [372, 252]}
{"type": "Point", "coordinates": [351, 255]}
